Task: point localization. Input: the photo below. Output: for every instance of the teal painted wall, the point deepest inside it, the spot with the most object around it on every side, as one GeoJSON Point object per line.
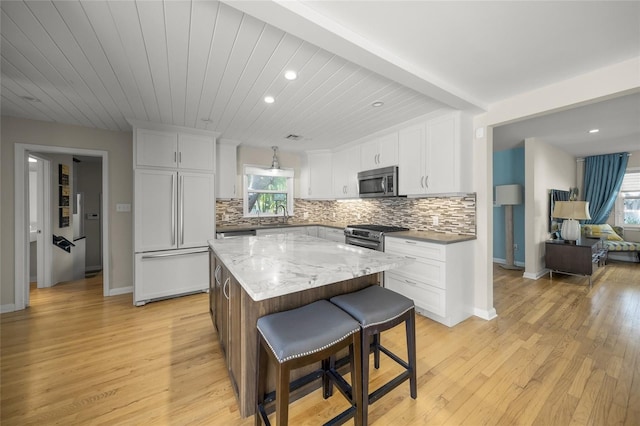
{"type": "Point", "coordinates": [508, 168]}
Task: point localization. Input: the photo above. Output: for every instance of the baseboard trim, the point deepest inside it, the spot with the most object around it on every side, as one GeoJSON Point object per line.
{"type": "Point", "coordinates": [120, 290]}
{"type": "Point", "coordinates": [7, 308]}
{"type": "Point", "coordinates": [537, 275]}
{"type": "Point", "coordinates": [485, 314]}
{"type": "Point", "coordinates": [503, 262]}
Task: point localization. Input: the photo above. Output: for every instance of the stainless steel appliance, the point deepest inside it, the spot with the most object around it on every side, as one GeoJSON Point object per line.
{"type": "Point", "coordinates": [369, 236]}
{"type": "Point", "coordinates": [378, 183]}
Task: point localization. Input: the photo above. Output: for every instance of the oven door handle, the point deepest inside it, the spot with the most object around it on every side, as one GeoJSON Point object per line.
{"type": "Point", "coordinates": [362, 243]}
{"type": "Point", "coordinates": [383, 183]}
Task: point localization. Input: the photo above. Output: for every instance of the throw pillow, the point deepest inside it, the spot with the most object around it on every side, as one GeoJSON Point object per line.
{"type": "Point", "coordinates": [598, 231]}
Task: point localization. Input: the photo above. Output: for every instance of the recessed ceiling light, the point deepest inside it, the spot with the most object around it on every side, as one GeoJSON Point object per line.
{"type": "Point", "coordinates": [290, 75]}
{"type": "Point", "coordinates": [269, 99]}
{"type": "Point", "coordinates": [206, 120]}
{"type": "Point", "coordinates": [594, 130]}
{"type": "Point", "coordinates": [377, 104]}
{"type": "Point", "coordinates": [32, 160]}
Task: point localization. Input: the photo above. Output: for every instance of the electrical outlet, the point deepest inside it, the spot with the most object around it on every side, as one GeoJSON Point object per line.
{"type": "Point", "coordinates": [334, 215]}
{"type": "Point", "coordinates": [435, 220]}
{"type": "Point", "coordinates": [358, 215]}
{"type": "Point", "coordinates": [515, 247]}
{"type": "Point", "coordinates": [306, 215]}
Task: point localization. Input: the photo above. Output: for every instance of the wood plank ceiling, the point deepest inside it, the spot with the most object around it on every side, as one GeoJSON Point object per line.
{"type": "Point", "coordinates": [199, 64]}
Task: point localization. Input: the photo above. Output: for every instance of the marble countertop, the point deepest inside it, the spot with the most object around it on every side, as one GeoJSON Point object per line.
{"type": "Point", "coordinates": [279, 264]}
{"type": "Point", "coordinates": [431, 236]}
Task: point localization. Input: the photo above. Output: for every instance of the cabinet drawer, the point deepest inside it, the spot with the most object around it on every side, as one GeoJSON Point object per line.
{"type": "Point", "coordinates": [415, 249]}
{"type": "Point", "coordinates": [423, 295]}
{"type": "Point", "coordinates": [431, 272]}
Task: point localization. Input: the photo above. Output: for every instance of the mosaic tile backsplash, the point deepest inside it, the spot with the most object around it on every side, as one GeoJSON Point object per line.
{"type": "Point", "coordinates": [456, 215]}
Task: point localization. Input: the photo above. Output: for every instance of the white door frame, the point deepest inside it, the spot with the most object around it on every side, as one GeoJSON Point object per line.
{"type": "Point", "coordinates": [21, 215]}
{"type": "Point", "coordinates": [43, 251]}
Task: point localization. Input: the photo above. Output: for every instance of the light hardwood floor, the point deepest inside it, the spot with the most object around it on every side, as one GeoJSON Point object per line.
{"type": "Point", "coordinates": [558, 354]}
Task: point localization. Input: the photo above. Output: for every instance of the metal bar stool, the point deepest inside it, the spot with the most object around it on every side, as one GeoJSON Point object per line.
{"type": "Point", "coordinates": [302, 336]}
{"type": "Point", "coordinates": [378, 309]}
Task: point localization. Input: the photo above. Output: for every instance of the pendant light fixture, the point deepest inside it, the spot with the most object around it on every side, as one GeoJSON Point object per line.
{"type": "Point", "coordinates": [274, 163]}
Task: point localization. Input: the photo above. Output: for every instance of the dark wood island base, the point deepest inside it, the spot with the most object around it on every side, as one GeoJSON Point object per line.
{"type": "Point", "coordinates": [235, 314]}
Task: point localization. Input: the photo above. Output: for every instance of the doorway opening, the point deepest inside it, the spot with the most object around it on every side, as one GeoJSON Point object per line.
{"type": "Point", "coordinates": [23, 221]}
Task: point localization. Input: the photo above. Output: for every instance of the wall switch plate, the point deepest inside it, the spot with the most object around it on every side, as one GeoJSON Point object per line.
{"type": "Point", "coordinates": [305, 215]}
{"type": "Point", "coordinates": [435, 220]}
{"type": "Point", "coordinates": [123, 207]}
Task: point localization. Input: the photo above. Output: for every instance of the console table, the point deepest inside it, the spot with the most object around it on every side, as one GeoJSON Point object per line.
{"type": "Point", "coordinates": [582, 258]}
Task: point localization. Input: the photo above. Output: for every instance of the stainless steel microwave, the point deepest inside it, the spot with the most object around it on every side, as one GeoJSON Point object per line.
{"type": "Point", "coordinates": [378, 183]}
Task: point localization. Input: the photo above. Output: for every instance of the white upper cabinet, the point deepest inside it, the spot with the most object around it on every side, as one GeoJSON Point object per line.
{"type": "Point", "coordinates": [432, 159]}
{"type": "Point", "coordinates": [345, 172]}
{"type": "Point", "coordinates": [179, 150]}
{"type": "Point", "coordinates": [156, 148]}
{"type": "Point", "coordinates": [226, 169]}
{"type": "Point", "coordinates": [196, 152]}
{"type": "Point", "coordinates": [316, 180]}
{"type": "Point", "coordinates": [411, 168]}
{"type": "Point", "coordinates": [380, 152]}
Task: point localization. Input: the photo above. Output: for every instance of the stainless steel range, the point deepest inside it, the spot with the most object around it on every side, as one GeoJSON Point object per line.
{"type": "Point", "coordinates": [369, 236]}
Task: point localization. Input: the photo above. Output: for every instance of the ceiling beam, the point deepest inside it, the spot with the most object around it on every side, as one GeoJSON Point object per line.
{"type": "Point", "coordinates": [301, 21]}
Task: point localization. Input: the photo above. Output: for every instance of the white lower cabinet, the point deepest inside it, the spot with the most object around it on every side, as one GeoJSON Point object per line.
{"type": "Point", "coordinates": [171, 273]}
{"type": "Point", "coordinates": [332, 234]}
{"type": "Point", "coordinates": [440, 280]}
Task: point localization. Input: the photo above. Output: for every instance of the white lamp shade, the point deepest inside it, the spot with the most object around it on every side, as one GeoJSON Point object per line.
{"type": "Point", "coordinates": [508, 195]}
{"type": "Point", "coordinates": [571, 210]}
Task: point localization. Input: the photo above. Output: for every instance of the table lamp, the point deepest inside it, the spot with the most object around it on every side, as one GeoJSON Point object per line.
{"type": "Point", "coordinates": [572, 211]}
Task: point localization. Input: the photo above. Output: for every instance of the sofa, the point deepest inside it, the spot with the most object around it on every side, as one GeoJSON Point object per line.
{"type": "Point", "coordinates": [613, 238]}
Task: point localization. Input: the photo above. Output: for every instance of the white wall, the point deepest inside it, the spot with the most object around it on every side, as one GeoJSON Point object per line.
{"type": "Point", "coordinates": [119, 148]}
{"type": "Point", "coordinates": [546, 168]}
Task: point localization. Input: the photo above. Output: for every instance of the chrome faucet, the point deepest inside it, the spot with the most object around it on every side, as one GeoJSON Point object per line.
{"type": "Point", "coordinates": [285, 213]}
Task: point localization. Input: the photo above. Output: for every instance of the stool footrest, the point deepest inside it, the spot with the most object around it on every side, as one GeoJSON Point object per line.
{"type": "Point", "coordinates": [296, 384]}
{"type": "Point", "coordinates": [389, 386]}
{"type": "Point", "coordinates": [394, 357]}
{"type": "Point", "coordinates": [342, 418]}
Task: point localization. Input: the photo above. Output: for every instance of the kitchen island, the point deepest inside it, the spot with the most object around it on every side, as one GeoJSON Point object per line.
{"type": "Point", "coordinates": [256, 276]}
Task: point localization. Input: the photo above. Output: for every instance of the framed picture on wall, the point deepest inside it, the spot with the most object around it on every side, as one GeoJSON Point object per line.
{"type": "Point", "coordinates": [556, 195]}
{"type": "Point", "coordinates": [63, 174]}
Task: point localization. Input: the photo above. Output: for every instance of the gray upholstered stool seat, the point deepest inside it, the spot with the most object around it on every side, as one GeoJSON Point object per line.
{"type": "Point", "coordinates": [302, 336]}
{"type": "Point", "coordinates": [378, 309]}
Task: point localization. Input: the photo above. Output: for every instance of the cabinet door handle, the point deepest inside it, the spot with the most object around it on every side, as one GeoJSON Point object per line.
{"type": "Point", "coordinates": [426, 181]}
{"type": "Point", "coordinates": [224, 288]}
{"type": "Point", "coordinates": [180, 157]}
{"type": "Point", "coordinates": [215, 274]}
{"type": "Point", "coordinates": [421, 181]}
{"type": "Point", "coordinates": [175, 156]}
{"type": "Point", "coordinates": [173, 209]}
{"type": "Point", "coordinates": [410, 242]}
{"type": "Point", "coordinates": [411, 283]}
{"type": "Point", "coordinates": [181, 210]}
{"type": "Point", "coordinates": [409, 257]}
